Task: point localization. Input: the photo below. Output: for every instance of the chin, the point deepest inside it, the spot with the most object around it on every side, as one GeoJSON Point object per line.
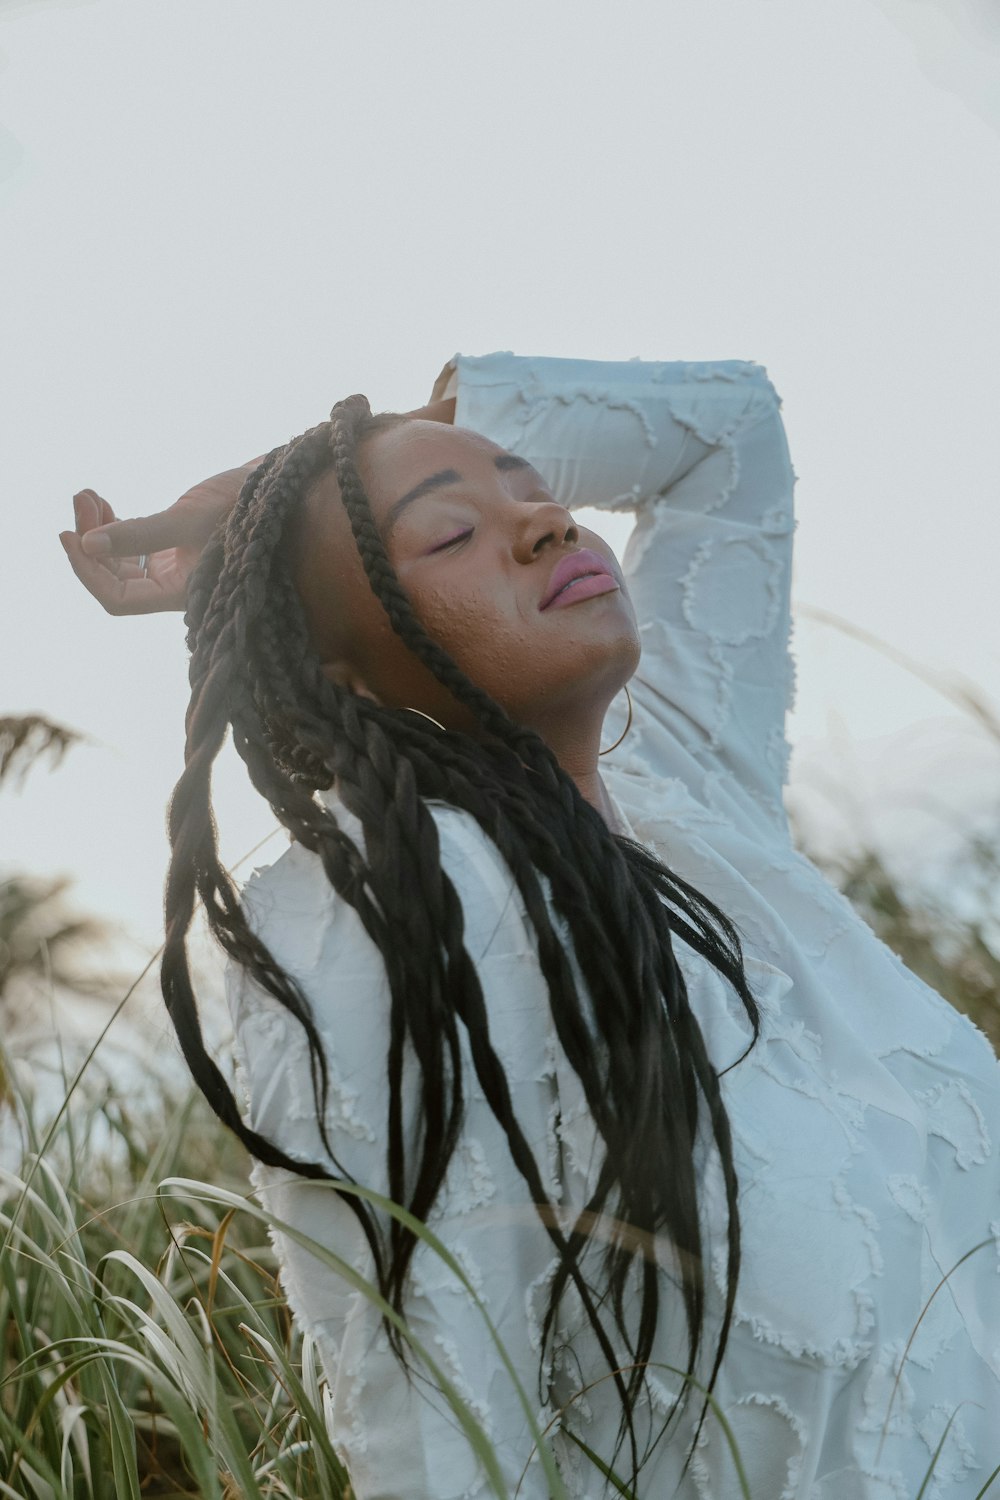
{"type": "Point", "coordinates": [570, 695]}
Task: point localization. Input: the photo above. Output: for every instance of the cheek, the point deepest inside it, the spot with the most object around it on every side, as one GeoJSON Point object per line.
{"type": "Point", "coordinates": [525, 659]}
{"type": "Point", "coordinates": [483, 630]}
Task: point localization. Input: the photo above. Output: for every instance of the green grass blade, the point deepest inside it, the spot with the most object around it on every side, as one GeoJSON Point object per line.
{"type": "Point", "coordinates": [469, 1424]}
{"type": "Point", "coordinates": [937, 1454]}
{"type": "Point", "coordinates": [599, 1463]}
{"type": "Point", "coordinates": [986, 1486]}
{"type": "Point", "coordinates": [983, 1245]}
{"type": "Point", "coordinates": [122, 1437]}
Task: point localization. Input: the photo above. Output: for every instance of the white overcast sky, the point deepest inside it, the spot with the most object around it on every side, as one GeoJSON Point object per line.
{"type": "Point", "coordinates": [220, 216]}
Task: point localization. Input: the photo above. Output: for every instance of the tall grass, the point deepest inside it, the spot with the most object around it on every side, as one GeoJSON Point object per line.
{"type": "Point", "coordinates": [946, 931]}
{"type": "Point", "coordinates": [147, 1349]}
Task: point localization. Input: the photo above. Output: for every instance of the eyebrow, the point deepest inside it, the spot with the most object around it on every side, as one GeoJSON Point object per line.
{"type": "Point", "coordinates": [502, 462]}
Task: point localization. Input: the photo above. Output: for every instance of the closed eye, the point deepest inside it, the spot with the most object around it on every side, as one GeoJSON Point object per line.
{"type": "Point", "coordinates": [458, 537]}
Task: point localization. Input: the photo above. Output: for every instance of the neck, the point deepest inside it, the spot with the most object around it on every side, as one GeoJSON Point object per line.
{"type": "Point", "coordinates": [578, 756]}
{"type": "Point", "coordinates": [593, 790]}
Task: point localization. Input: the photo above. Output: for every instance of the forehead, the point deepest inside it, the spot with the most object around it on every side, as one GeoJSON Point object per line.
{"type": "Point", "coordinates": [392, 462]}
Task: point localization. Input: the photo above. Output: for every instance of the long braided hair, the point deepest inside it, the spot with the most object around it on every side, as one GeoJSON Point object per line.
{"type": "Point", "coordinates": [636, 1046]}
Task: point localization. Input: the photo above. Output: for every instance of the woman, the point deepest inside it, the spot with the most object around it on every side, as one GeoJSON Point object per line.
{"type": "Point", "coordinates": [499, 984]}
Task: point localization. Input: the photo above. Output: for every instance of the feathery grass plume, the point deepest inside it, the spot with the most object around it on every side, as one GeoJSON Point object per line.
{"type": "Point", "coordinates": [25, 738]}
{"type": "Point", "coordinates": [948, 936]}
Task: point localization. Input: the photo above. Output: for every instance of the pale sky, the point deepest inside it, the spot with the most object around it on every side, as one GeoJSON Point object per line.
{"type": "Point", "coordinates": [221, 216]}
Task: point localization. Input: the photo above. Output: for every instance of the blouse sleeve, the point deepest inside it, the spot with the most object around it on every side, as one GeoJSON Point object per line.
{"type": "Point", "coordinates": [399, 1440]}
{"type": "Point", "coordinates": [697, 451]}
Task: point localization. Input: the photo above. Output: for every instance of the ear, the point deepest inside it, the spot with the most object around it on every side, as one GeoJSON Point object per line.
{"type": "Point", "coordinates": [346, 675]}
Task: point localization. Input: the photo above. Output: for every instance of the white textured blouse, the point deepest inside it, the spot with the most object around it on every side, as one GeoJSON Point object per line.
{"type": "Point", "coordinates": [865, 1120]}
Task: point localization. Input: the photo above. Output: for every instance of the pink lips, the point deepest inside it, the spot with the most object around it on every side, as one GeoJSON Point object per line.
{"type": "Point", "coordinates": [593, 573]}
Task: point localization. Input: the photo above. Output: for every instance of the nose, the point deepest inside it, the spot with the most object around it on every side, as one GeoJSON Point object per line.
{"type": "Point", "coordinates": [539, 525]}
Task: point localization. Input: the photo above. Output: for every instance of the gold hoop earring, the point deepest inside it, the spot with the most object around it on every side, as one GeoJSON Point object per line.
{"type": "Point", "coordinates": [625, 731]}
{"type": "Point", "coordinates": [420, 711]}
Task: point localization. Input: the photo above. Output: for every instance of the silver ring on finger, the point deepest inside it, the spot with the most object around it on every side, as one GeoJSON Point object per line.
{"type": "Point", "coordinates": [143, 560]}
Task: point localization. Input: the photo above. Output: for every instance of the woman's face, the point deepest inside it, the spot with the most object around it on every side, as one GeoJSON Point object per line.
{"type": "Point", "coordinates": [475, 536]}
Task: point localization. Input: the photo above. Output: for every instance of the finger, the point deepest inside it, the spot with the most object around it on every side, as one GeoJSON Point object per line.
{"type": "Point", "coordinates": [89, 509]}
{"type": "Point", "coordinates": [86, 510]}
{"type": "Point", "coordinates": [132, 538]}
{"type": "Point", "coordinates": [128, 595]}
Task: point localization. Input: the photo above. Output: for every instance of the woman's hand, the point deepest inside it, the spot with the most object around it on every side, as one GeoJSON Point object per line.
{"type": "Point", "coordinates": [436, 411]}
{"type": "Point", "coordinates": [104, 552]}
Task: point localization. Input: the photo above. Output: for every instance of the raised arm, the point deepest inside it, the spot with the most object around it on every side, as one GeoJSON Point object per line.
{"type": "Point", "coordinates": [698, 452]}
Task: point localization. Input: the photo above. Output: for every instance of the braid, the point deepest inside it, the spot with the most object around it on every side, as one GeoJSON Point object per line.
{"type": "Point", "coordinates": [597, 903]}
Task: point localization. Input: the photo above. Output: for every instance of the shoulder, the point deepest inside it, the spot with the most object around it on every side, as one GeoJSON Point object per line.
{"type": "Point", "coordinates": [319, 941]}
{"type": "Point", "coordinates": [293, 908]}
